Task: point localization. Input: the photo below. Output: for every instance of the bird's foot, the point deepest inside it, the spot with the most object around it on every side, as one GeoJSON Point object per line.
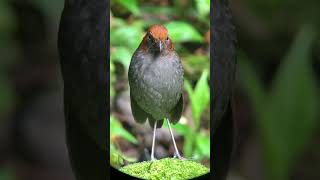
{"type": "Point", "coordinates": [153, 158]}
{"type": "Point", "coordinates": [178, 156]}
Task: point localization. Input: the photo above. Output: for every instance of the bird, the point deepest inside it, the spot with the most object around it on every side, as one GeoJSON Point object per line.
{"type": "Point", "coordinates": [156, 82]}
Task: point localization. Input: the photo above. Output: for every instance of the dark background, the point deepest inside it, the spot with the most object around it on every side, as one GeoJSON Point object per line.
{"type": "Point", "coordinates": [276, 97]}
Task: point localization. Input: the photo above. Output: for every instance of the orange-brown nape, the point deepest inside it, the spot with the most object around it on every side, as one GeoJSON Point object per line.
{"type": "Point", "coordinates": [158, 32]}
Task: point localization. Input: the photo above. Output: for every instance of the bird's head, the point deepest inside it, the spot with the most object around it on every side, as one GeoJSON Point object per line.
{"type": "Point", "coordinates": [157, 40]}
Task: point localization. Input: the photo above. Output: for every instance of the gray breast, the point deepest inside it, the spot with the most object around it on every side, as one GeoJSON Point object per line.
{"type": "Point", "coordinates": [156, 84]}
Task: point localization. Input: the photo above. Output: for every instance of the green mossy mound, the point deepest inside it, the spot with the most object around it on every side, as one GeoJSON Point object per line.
{"type": "Point", "coordinates": [168, 168]}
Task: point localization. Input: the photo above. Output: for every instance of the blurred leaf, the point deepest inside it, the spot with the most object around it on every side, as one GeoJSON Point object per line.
{"type": "Point", "coordinates": [189, 89]}
{"type": "Point", "coordinates": [288, 116]}
{"type": "Point", "coordinates": [181, 129]}
{"type": "Point", "coordinates": [189, 144]}
{"type": "Point", "coordinates": [139, 24]}
{"type": "Point", "coordinates": [127, 35]}
{"type": "Point", "coordinates": [158, 10]}
{"type": "Point", "coordinates": [199, 97]}
{"type": "Point", "coordinates": [195, 64]}
{"type": "Point", "coordinates": [112, 67]}
{"type": "Point", "coordinates": [197, 60]}
{"type": "Point", "coordinates": [116, 160]}
{"type": "Point", "coordinates": [183, 32]}
{"type": "Point", "coordinates": [6, 174]}
{"type": "Point", "coordinates": [7, 20]}
{"type": "Point", "coordinates": [112, 78]}
{"type": "Point", "coordinates": [203, 7]}
{"type": "Point", "coordinates": [293, 111]}
{"type": "Point", "coordinates": [252, 83]}
{"type": "Point", "coordinates": [116, 22]}
{"type": "Point", "coordinates": [7, 94]}
{"type": "Point", "coordinates": [121, 55]}
{"type": "Point", "coordinates": [131, 5]}
{"type": "Point", "coordinates": [112, 93]}
{"type": "Point", "coordinates": [188, 134]}
{"type": "Point", "coordinates": [116, 129]}
{"type": "Point", "coordinates": [203, 145]}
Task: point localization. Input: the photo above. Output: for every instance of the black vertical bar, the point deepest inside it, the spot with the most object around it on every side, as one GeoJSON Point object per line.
{"type": "Point", "coordinates": [83, 51]}
{"type": "Point", "coordinates": [223, 64]}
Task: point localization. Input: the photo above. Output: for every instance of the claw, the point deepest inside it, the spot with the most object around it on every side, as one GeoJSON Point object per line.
{"type": "Point", "coordinates": [178, 156]}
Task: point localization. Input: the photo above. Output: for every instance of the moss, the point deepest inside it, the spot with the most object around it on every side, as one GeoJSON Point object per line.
{"type": "Point", "coordinates": [168, 168]}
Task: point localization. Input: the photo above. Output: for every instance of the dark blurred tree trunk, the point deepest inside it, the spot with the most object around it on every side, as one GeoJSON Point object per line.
{"type": "Point", "coordinates": [223, 59]}
{"type": "Point", "coordinates": [83, 52]}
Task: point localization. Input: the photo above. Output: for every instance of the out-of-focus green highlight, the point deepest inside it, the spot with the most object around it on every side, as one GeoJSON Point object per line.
{"type": "Point", "coordinates": [287, 113]}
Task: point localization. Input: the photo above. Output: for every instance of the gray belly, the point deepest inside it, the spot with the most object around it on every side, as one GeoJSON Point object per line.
{"type": "Point", "coordinates": [157, 87]}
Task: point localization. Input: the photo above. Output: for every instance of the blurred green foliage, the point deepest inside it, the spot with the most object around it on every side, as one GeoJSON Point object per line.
{"type": "Point", "coordinates": [287, 113]}
{"type": "Point", "coordinates": [116, 130]}
{"type": "Point", "coordinates": [199, 98]}
{"type": "Point", "coordinates": [6, 174]}
{"type": "Point", "coordinates": [187, 24]}
{"type": "Point", "coordinates": [130, 5]}
{"type": "Point", "coordinates": [7, 51]}
{"type": "Point", "coordinates": [203, 8]}
{"type": "Point", "coordinates": [7, 20]}
{"type": "Point", "coordinates": [183, 32]}
{"type": "Point", "coordinates": [117, 159]}
{"type": "Point", "coordinates": [196, 140]}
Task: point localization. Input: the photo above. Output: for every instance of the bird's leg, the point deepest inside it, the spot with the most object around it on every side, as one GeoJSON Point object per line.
{"type": "Point", "coordinates": [176, 154]}
{"type": "Point", "coordinates": [153, 141]}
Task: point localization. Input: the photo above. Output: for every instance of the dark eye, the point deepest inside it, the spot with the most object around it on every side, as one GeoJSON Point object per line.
{"type": "Point", "coordinates": [149, 37]}
{"type": "Point", "coordinates": [167, 39]}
